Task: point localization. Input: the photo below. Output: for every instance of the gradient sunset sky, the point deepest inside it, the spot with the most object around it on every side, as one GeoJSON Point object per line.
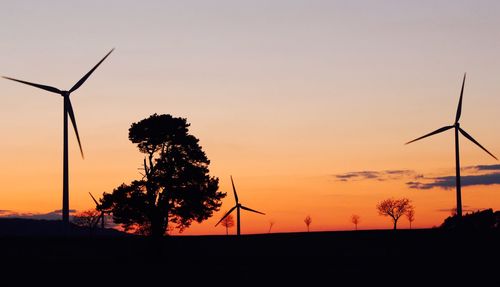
{"type": "Point", "coordinates": [307, 104]}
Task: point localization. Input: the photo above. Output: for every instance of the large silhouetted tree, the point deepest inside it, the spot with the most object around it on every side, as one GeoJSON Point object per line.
{"type": "Point", "coordinates": [176, 186]}
{"type": "Point", "coordinates": [394, 208]}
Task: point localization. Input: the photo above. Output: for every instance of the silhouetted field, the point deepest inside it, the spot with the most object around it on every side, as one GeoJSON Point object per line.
{"type": "Point", "coordinates": [384, 257]}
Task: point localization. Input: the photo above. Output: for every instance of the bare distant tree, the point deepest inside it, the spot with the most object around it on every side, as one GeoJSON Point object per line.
{"type": "Point", "coordinates": [355, 220]}
{"type": "Point", "coordinates": [271, 224]}
{"type": "Point", "coordinates": [394, 208]}
{"type": "Point", "coordinates": [308, 222]}
{"type": "Point", "coordinates": [410, 214]}
{"type": "Point", "coordinates": [87, 218]}
{"type": "Point", "coordinates": [228, 222]}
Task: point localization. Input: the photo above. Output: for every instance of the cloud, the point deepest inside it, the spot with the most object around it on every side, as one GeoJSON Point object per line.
{"type": "Point", "coordinates": [448, 182]}
{"type": "Point", "coordinates": [377, 175]}
{"type": "Point", "coordinates": [418, 185]}
{"type": "Point", "coordinates": [54, 215]}
{"type": "Point", "coordinates": [465, 208]}
{"type": "Point", "coordinates": [356, 175]}
{"type": "Point", "coordinates": [487, 167]}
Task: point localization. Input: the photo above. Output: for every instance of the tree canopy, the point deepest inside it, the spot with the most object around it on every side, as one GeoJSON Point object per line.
{"type": "Point", "coordinates": [176, 186]}
{"type": "Point", "coordinates": [394, 208]}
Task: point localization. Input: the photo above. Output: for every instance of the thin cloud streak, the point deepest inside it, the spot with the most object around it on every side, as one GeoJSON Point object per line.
{"type": "Point", "coordinates": [448, 182]}
{"type": "Point", "coordinates": [465, 208]}
{"type": "Point", "coordinates": [53, 215]}
{"type": "Point", "coordinates": [488, 167]}
{"type": "Point", "coordinates": [476, 175]}
{"type": "Point", "coordinates": [376, 175]}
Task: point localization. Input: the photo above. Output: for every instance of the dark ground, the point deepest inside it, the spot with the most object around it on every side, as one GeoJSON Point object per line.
{"type": "Point", "coordinates": [381, 258]}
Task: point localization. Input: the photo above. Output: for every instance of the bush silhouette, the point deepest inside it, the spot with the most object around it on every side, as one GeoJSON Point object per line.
{"type": "Point", "coordinates": [479, 220]}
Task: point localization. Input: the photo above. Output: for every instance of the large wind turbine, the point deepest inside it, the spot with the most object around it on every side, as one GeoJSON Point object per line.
{"type": "Point", "coordinates": [458, 129]}
{"type": "Point", "coordinates": [237, 207]}
{"type": "Point", "coordinates": [67, 110]}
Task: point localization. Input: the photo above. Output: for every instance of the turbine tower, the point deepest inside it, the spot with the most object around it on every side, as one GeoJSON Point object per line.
{"type": "Point", "coordinates": [67, 111]}
{"type": "Point", "coordinates": [237, 207]}
{"type": "Point", "coordinates": [458, 130]}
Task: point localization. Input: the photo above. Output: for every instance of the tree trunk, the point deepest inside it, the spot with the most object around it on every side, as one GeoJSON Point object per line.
{"type": "Point", "coordinates": [395, 223]}
{"type": "Point", "coordinates": [227, 230]}
{"type": "Point", "coordinates": [157, 228]}
{"type": "Point", "coordinates": [158, 224]}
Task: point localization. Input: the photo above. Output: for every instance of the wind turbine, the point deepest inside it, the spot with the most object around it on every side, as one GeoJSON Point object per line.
{"type": "Point", "coordinates": [67, 110]}
{"type": "Point", "coordinates": [237, 207]}
{"type": "Point", "coordinates": [458, 129]}
{"type": "Point", "coordinates": [98, 207]}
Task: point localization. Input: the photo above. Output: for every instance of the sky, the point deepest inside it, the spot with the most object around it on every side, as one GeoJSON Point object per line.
{"type": "Point", "coordinates": [307, 104]}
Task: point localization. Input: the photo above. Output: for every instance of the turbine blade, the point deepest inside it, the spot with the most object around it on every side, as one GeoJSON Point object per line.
{"type": "Point", "coordinates": [249, 209]}
{"type": "Point", "coordinates": [234, 190]}
{"type": "Point", "coordinates": [43, 87]}
{"type": "Point", "coordinates": [430, 134]}
{"type": "Point", "coordinates": [474, 141]}
{"type": "Point", "coordinates": [227, 213]}
{"type": "Point", "coordinates": [82, 80]}
{"type": "Point", "coordinates": [73, 121]}
{"type": "Point", "coordinates": [96, 203]}
{"type": "Point", "coordinates": [459, 109]}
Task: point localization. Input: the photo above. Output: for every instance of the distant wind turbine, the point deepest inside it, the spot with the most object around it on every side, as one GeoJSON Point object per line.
{"type": "Point", "coordinates": [67, 110]}
{"type": "Point", "coordinates": [237, 207]}
{"type": "Point", "coordinates": [98, 207]}
{"type": "Point", "coordinates": [458, 129]}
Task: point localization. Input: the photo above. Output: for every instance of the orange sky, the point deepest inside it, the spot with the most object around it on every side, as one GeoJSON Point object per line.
{"type": "Point", "coordinates": [283, 95]}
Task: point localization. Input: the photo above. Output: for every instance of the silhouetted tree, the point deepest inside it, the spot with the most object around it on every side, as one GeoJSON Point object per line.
{"type": "Point", "coordinates": [355, 220]}
{"type": "Point", "coordinates": [394, 208]}
{"type": "Point", "coordinates": [87, 218]}
{"type": "Point", "coordinates": [410, 214]}
{"type": "Point", "coordinates": [176, 186]}
{"type": "Point", "coordinates": [271, 224]}
{"type": "Point", "coordinates": [308, 222]}
{"type": "Point", "coordinates": [227, 222]}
